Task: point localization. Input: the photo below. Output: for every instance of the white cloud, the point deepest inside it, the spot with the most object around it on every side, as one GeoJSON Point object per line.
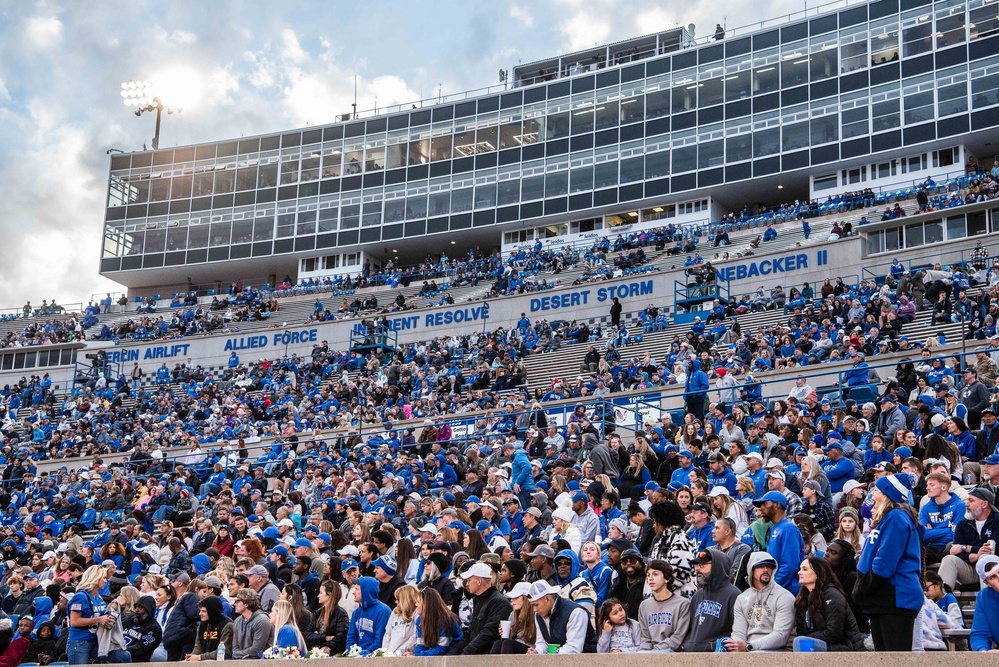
{"type": "Point", "coordinates": [522, 15]}
{"type": "Point", "coordinates": [653, 20]}
{"type": "Point", "coordinates": [290, 47]}
{"type": "Point", "coordinates": [584, 30]}
{"type": "Point", "coordinates": [175, 38]}
{"type": "Point", "coordinates": [44, 31]}
{"type": "Point", "coordinates": [4, 93]}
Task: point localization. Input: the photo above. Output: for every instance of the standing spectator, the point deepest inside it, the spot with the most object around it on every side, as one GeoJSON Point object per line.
{"type": "Point", "coordinates": [890, 588]}
{"type": "Point", "coordinates": [665, 617]}
{"type": "Point", "coordinates": [86, 611]}
{"type": "Point", "coordinates": [764, 613]}
{"type": "Point", "coordinates": [785, 544]}
{"type": "Point", "coordinates": [615, 313]}
{"type": "Point", "coordinates": [975, 397]}
{"type": "Point", "coordinates": [696, 390]}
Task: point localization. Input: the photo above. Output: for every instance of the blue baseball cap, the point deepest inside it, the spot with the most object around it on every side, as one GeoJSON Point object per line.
{"type": "Point", "coordinates": [348, 564]}
{"type": "Point", "coordinates": [686, 452]}
{"type": "Point", "coordinates": [579, 496]}
{"type": "Point", "coordinates": [302, 542]}
{"type": "Point", "coordinates": [833, 444]}
{"type": "Point", "coordinates": [253, 518]}
{"type": "Point", "coordinates": [310, 529]}
{"type": "Point", "coordinates": [772, 497]}
{"type": "Point", "coordinates": [473, 499]}
{"type": "Point", "coordinates": [388, 512]}
{"type": "Point", "coordinates": [483, 525]}
{"type": "Point", "coordinates": [272, 533]}
{"type": "Point", "coordinates": [325, 537]}
{"type": "Point", "coordinates": [652, 486]}
{"type": "Point", "coordinates": [280, 550]}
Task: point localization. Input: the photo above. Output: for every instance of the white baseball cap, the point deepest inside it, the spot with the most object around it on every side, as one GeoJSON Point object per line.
{"type": "Point", "coordinates": [478, 570]}
{"type": "Point", "coordinates": [718, 491]}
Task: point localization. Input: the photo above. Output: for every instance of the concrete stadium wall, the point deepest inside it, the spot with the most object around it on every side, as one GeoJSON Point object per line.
{"type": "Point", "coordinates": [685, 660]}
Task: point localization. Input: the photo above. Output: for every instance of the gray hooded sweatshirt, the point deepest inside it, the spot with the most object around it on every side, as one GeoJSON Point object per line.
{"type": "Point", "coordinates": [764, 617]}
{"type": "Point", "coordinates": [712, 607]}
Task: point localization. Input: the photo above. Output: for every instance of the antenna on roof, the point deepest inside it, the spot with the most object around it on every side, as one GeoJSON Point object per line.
{"type": "Point", "coordinates": [354, 105]}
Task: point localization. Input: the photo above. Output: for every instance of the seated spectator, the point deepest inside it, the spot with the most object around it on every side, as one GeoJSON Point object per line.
{"type": "Point", "coordinates": [823, 619]}
{"type": "Point", "coordinates": [252, 630]}
{"type": "Point", "coordinates": [560, 623]}
{"type": "Point", "coordinates": [767, 630]}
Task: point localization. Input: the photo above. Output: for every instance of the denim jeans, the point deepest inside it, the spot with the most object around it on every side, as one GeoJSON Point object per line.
{"type": "Point", "coordinates": [162, 513]}
{"type": "Point", "coordinates": [118, 655]}
{"type": "Point", "coordinates": [81, 651]}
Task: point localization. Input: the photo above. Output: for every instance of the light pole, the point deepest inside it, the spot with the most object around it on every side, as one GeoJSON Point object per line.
{"type": "Point", "coordinates": [142, 96]}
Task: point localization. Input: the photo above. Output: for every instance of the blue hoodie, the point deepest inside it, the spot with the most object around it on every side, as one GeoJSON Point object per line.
{"type": "Point", "coordinates": [445, 476]}
{"type": "Point", "coordinates": [369, 621]}
{"type": "Point", "coordinates": [788, 549]}
{"type": "Point", "coordinates": [202, 564]}
{"type": "Point", "coordinates": [985, 628]}
{"type": "Point", "coordinates": [521, 472]}
{"type": "Point", "coordinates": [940, 520]}
{"type": "Point", "coordinates": [697, 381]}
{"type": "Point", "coordinates": [43, 612]}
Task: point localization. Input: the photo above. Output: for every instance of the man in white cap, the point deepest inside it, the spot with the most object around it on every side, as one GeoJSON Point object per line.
{"type": "Point", "coordinates": [560, 623]}
{"type": "Point", "coordinates": [489, 607]}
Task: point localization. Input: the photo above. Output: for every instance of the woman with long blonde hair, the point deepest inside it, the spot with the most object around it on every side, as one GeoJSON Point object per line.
{"type": "Point", "coordinates": [400, 634]}
{"type": "Point", "coordinates": [288, 635]}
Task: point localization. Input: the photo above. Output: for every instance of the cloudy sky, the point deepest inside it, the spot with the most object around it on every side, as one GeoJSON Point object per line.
{"type": "Point", "coordinates": [243, 68]}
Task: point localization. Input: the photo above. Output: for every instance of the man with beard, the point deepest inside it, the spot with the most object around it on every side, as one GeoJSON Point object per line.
{"type": "Point", "coordinates": [785, 543]}
{"type": "Point", "coordinates": [142, 633]}
{"type": "Point", "coordinates": [970, 540]}
{"type": "Point", "coordinates": [713, 605]}
{"type": "Point", "coordinates": [764, 613]}
{"type": "Point", "coordinates": [630, 588]}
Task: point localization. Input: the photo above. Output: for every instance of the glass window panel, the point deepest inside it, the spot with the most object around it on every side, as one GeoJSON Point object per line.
{"type": "Point", "coordinates": [159, 189]}
{"type": "Point", "coordinates": [581, 179]}
{"type": "Point", "coordinates": [606, 114]}
{"type": "Point", "coordinates": [263, 229]}
{"type": "Point", "coordinates": [182, 187]}
{"type": "Point", "coordinates": [155, 240]}
{"type": "Point", "coordinates": [766, 142]}
{"type": "Point", "coordinates": [632, 170]}
{"type": "Point", "coordinates": [203, 184]}
{"type": "Point", "coordinates": [953, 99]}
{"type": "Point", "coordinates": [533, 188]}
{"type": "Point", "coordinates": [956, 227]}
{"type": "Point", "coordinates": [977, 223]}
{"type": "Point", "coordinates": [950, 30]}
{"type": "Point", "coordinates": [853, 56]}
{"type": "Point", "coordinates": [395, 210]}
{"type": "Point", "coordinates": [225, 181]}
{"type": "Point", "coordinates": [352, 160]}
{"type": "Point", "coordinates": [604, 175]}
{"type": "Point", "coordinates": [289, 171]}
{"type": "Point", "coordinates": [556, 184]}
{"type": "Point", "coordinates": [485, 196]}
{"type": "Point", "coordinates": [487, 138]}
{"type": "Point", "coordinates": [374, 160]}
{"type": "Point", "coordinates": [711, 92]}
{"type": "Point", "coordinates": [285, 226]}
{"type": "Point", "coordinates": [795, 136]}
{"type": "Point", "coordinates": [794, 64]}
{"type": "Point", "coordinates": [534, 128]}
{"type": "Point", "coordinates": [884, 47]}
{"type": "Point", "coordinates": [395, 154]}
{"type": "Point", "coordinates": [558, 125]}
{"type": "Point", "coordinates": [738, 85]}
{"type": "Point", "coordinates": [822, 64]}
{"type": "Point", "coordinates": [825, 129]}
{"type": "Point", "coordinates": [327, 219]}
{"type": "Point", "coordinates": [885, 115]}
{"type": "Point", "coordinates": [933, 232]}
{"type": "Point", "coordinates": [684, 97]}
{"type": "Point", "coordinates": [739, 147]}
{"type": "Point", "coordinates": [917, 39]}
{"type": "Point", "coordinates": [657, 103]}
{"type": "Point", "coordinates": [135, 241]}
{"type": "Point", "coordinates": [765, 79]}
{"type": "Point", "coordinates": [246, 178]}
{"type": "Point", "coordinates": [176, 238]}
{"type": "Point", "coordinates": [461, 200]}
{"type": "Point", "coordinates": [331, 165]}
{"type": "Point", "coordinates": [985, 91]}
{"type": "Point", "coordinates": [440, 203]}
{"type": "Point", "coordinates": [371, 212]}
{"type": "Point", "coordinates": [632, 109]}
{"type": "Point", "coordinates": [464, 143]}
{"type": "Point", "coordinates": [139, 191]}
{"type": "Point", "coordinates": [684, 159]}
{"type": "Point", "coordinates": [419, 151]}
{"type": "Point", "coordinates": [220, 234]}
{"type": "Point", "coordinates": [242, 231]}
{"type": "Point", "coordinates": [582, 119]}
{"type": "Point", "coordinates": [657, 165]}
{"type": "Point", "coordinates": [508, 192]}
{"type": "Point", "coordinates": [350, 216]}
{"type": "Point", "coordinates": [984, 20]}
{"type": "Point", "coordinates": [509, 134]}
{"type": "Point", "coordinates": [711, 154]}
{"type": "Point", "coordinates": [306, 223]}
{"type": "Point", "coordinates": [914, 235]}
{"type": "Point", "coordinates": [918, 107]}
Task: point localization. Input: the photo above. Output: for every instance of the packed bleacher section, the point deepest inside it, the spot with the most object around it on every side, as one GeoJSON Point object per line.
{"type": "Point", "coordinates": [329, 504]}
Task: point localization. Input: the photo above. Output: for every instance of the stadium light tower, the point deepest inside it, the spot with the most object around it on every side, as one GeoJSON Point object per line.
{"type": "Point", "coordinates": [143, 96]}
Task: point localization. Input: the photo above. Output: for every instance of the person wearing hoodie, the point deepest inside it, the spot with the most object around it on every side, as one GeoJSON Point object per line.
{"type": "Point", "coordinates": [663, 618]}
{"type": "Point", "coordinates": [985, 628]}
{"type": "Point", "coordinates": [142, 632]}
{"type": "Point", "coordinates": [445, 477]}
{"type": "Point", "coordinates": [571, 585]}
{"type": "Point", "coordinates": [712, 608]}
{"type": "Point", "coordinates": [940, 514]}
{"type": "Point", "coordinates": [214, 630]}
{"type": "Point", "coordinates": [843, 560]}
{"type": "Point", "coordinates": [18, 647]}
{"type": "Point", "coordinates": [596, 572]}
{"type": "Point", "coordinates": [764, 613]}
{"type": "Point", "coordinates": [890, 587]}
{"type": "Point", "coordinates": [202, 564]}
{"type": "Point", "coordinates": [43, 648]}
{"type": "Point", "coordinates": [522, 476]}
{"type": "Point", "coordinates": [604, 460]}
{"type": "Point", "coordinates": [42, 613]}
{"type": "Point", "coordinates": [252, 631]}
{"type": "Point", "coordinates": [696, 390]}
{"type": "Point", "coordinates": [434, 576]}
{"type": "Point", "coordinates": [369, 620]}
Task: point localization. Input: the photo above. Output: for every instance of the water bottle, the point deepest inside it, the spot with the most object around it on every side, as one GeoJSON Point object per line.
{"type": "Point", "coordinates": [220, 653]}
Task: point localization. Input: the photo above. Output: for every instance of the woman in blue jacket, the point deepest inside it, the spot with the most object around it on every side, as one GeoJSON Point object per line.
{"type": "Point", "coordinates": [985, 629]}
{"type": "Point", "coordinates": [436, 626]}
{"type": "Point", "coordinates": [890, 586]}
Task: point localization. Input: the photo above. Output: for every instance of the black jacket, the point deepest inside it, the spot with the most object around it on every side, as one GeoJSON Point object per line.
{"type": "Point", "coordinates": [182, 623]}
{"type": "Point", "coordinates": [442, 585]}
{"type": "Point", "coordinates": [338, 627]}
{"type": "Point", "coordinates": [835, 624]}
{"type": "Point", "coordinates": [141, 639]}
{"type": "Point", "coordinates": [488, 610]}
{"type": "Point", "coordinates": [630, 594]}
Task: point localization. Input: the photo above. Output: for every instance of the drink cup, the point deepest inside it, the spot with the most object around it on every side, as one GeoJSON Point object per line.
{"type": "Point", "coordinates": [806, 645]}
{"type": "Point", "coordinates": [505, 629]}
{"type": "Point", "coordinates": [553, 649]}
